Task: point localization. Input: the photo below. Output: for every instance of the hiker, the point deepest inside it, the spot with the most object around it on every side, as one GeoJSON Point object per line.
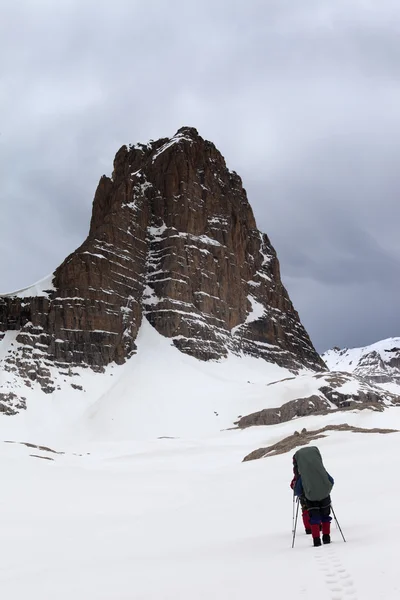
{"type": "Point", "coordinates": [312, 484]}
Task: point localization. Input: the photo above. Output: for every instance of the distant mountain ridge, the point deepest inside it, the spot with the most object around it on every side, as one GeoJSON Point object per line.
{"type": "Point", "coordinates": [378, 363]}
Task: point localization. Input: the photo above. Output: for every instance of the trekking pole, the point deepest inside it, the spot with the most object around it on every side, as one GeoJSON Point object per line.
{"type": "Point", "coordinates": [294, 498]}
{"type": "Point", "coordinates": [337, 523]}
{"type": "Point", "coordinates": [295, 522]}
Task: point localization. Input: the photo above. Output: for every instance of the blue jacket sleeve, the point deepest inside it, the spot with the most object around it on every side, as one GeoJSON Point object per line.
{"type": "Point", "coordinates": [298, 488]}
{"type": "Point", "coordinates": [331, 479]}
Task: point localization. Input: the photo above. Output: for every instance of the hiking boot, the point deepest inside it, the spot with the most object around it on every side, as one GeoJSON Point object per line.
{"type": "Point", "coordinates": [317, 541]}
{"type": "Point", "coordinates": [308, 530]}
{"type": "Point", "coordinates": [326, 538]}
{"type": "Point", "coordinates": [326, 530]}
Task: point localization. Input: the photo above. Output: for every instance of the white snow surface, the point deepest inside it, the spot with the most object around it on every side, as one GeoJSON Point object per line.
{"type": "Point", "coordinates": [185, 518]}
{"type": "Point", "coordinates": [257, 311]}
{"type": "Point", "coordinates": [158, 392]}
{"type": "Point", "coordinates": [151, 501]}
{"type": "Point", "coordinates": [39, 288]}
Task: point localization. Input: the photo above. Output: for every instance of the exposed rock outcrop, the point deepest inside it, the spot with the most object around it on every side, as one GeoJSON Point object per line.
{"type": "Point", "coordinates": [11, 404]}
{"type": "Point", "coordinates": [331, 395]}
{"type": "Point", "coordinates": [305, 437]}
{"type": "Point", "coordinates": [301, 407]}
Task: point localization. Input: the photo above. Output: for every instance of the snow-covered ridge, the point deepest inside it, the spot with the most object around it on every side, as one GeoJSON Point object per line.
{"type": "Point", "coordinates": [347, 358]}
{"type": "Point", "coordinates": [40, 288]}
{"type": "Point", "coordinates": [178, 137]}
{"type": "Point", "coordinates": [379, 362]}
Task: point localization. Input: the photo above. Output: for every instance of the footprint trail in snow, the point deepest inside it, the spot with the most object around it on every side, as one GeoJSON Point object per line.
{"type": "Point", "coordinates": [337, 579]}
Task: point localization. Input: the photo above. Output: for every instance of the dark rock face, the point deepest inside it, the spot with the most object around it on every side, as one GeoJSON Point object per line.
{"type": "Point", "coordinates": [301, 407]}
{"type": "Point", "coordinates": [172, 238]}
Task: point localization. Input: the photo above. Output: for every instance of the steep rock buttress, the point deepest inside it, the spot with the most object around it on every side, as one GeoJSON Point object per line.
{"type": "Point", "coordinates": [173, 239]}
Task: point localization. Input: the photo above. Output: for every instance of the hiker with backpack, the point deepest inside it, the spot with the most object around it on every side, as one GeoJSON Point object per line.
{"type": "Point", "coordinates": [312, 484]}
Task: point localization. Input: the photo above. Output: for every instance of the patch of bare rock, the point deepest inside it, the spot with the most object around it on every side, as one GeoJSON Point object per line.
{"type": "Point", "coordinates": [42, 457]}
{"type": "Point", "coordinates": [305, 437]}
{"type": "Point", "coordinates": [30, 445]}
{"type": "Point", "coordinates": [11, 404]}
{"type": "Point", "coordinates": [331, 397]}
{"type": "Point", "coordinates": [45, 449]}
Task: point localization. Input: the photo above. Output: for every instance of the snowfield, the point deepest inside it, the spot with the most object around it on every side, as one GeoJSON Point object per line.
{"type": "Point", "coordinates": [178, 519]}
{"type": "Point", "coordinates": [158, 392]}
{"type": "Point", "coordinates": [149, 498]}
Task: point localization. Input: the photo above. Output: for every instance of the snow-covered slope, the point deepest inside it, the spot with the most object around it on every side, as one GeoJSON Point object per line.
{"type": "Point", "coordinates": [40, 288]}
{"type": "Point", "coordinates": [161, 392]}
{"type": "Point", "coordinates": [158, 392]}
{"type": "Point", "coordinates": [143, 493]}
{"type": "Point", "coordinates": [378, 363]}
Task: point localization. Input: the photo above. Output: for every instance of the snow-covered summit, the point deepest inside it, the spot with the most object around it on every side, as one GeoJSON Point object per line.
{"type": "Point", "coordinates": [378, 363]}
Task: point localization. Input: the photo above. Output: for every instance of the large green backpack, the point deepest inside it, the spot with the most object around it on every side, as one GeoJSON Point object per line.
{"type": "Point", "coordinates": [315, 480]}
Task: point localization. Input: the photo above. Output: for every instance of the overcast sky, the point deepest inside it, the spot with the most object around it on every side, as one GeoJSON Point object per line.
{"type": "Point", "coordinates": [301, 97]}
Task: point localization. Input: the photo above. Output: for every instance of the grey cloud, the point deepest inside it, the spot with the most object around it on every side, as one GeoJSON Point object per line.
{"type": "Point", "coordinates": [337, 315]}
{"type": "Point", "coordinates": [301, 98]}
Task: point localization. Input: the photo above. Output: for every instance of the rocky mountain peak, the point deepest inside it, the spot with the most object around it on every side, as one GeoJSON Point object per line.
{"type": "Point", "coordinates": [190, 131]}
{"type": "Point", "coordinates": [378, 363]}
{"type": "Point", "coordinates": [172, 239]}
